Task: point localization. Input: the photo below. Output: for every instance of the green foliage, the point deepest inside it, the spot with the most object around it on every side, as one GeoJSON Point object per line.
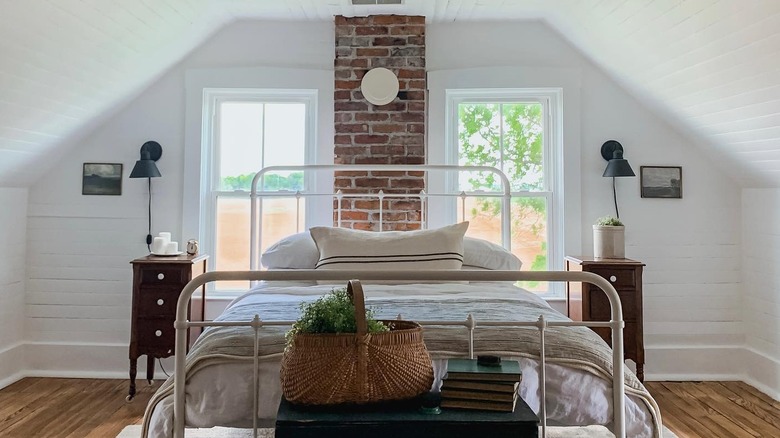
{"type": "Point", "coordinates": [508, 136]}
{"type": "Point", "coordinates": [332, 313]}
{"type": "Point", "coordinates": [273, 182]}
{"type": "Point", "coordinates": [539, 264]}
{"type": "Point", "coordinates": [609, 221]}
{"type": "Point", "coordinates": [481, 142]}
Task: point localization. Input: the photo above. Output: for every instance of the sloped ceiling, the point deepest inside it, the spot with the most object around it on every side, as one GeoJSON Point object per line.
{"type": "Point", "coordinates": [711, 67]}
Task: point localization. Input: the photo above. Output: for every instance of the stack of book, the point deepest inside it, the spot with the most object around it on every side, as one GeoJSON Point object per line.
{"type": "Point", "coordinates": [469, 385]}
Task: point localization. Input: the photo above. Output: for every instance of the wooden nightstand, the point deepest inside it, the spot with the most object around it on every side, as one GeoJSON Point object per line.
{"type": "Point", "coordinates": [157, 283]}
{"type": "Point", "coordinates": [589, 303]}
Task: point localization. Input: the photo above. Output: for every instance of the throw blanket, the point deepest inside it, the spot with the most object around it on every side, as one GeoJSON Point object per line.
{"type": "Point", "coordinates": [574, 347]}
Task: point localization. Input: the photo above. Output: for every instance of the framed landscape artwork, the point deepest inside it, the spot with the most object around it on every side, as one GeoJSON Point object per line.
{"type": "Point", "coordinates": [102, 179]}
{"type": "Point", "coordinates": [661, 181]}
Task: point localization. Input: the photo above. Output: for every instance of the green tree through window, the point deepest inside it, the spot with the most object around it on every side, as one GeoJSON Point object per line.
{"type": "Point", "coordinates": [508, 136]}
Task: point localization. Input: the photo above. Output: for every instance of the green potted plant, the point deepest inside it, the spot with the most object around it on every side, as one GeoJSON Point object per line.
{"type": "Point", "coordinates": [609, 240]}
{"type": "Point", "coordinates": [332, 313]}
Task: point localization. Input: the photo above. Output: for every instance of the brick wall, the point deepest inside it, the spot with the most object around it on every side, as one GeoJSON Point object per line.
{"type": "Point", "coordinates": [386, 134]}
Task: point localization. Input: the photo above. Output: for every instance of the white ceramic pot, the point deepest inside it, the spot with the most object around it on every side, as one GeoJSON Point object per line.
{"type": "Point", "coordinates": [609, 242]}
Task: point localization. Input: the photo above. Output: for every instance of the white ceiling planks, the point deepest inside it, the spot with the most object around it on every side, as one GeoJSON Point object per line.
{"type": "Point", "coordinates": [711, 67]}
{"type": "Point", "coordinates": [65, 63]}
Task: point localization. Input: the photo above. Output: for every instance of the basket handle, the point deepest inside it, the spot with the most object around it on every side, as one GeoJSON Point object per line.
{"type": "Point", "coordinates": [355, 291]}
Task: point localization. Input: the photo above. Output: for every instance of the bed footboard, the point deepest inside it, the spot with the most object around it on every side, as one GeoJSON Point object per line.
{"type": "Point", "coordinates": [616, 323]}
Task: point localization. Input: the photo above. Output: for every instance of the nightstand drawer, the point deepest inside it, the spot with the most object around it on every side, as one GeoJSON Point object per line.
{"type": "Point", "coordinates": [152, 275]}
{"type": "Point", "coordinates": [156, 333]}
{"type": "Point", "coordinates": [600, 309]}
{"type": "Point", "coordinates": [620, 278]}
{"type": "Point", "coordinates": [154, 302]}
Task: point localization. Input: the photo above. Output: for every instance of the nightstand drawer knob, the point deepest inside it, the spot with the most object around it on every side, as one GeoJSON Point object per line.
{"type": "Point", "coordinates": [160, 302]}
{"type": "Point", "coordinates": [160, 276]}
{"type": "Point", "coordinates": [612, 278]}
{"type": "Point", "coordinates": [158, 333]}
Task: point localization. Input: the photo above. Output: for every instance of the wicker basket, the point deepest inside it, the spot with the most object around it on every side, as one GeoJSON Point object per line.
{"type": "Point", "coordinates": [335, 368]}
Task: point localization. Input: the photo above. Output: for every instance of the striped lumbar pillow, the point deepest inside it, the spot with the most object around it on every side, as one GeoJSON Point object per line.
{"type": "Point", "coordinates": [342, 248]}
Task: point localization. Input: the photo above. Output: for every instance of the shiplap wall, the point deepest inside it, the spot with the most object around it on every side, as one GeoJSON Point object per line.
{"type": "Point", "coordinates": [691, 246]}
{"type": "Point", "coordinates": [761, 279]}
{"type": "Point", "coordinates": [79, 288]}
{"type": "Point", "coordinates": [79, 280]}
{"type": "Point", "coordinates": [13, 229]}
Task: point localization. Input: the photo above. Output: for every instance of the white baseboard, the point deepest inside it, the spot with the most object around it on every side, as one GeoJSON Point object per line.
{"type": "Point", "coordinates": [763, 372]}
{"type": "Point", "coordinates": [694, 363]}
{"type": "Point", "coordinates": [98, 361]}
{"type": "Point", "coordinates": [12, 364]}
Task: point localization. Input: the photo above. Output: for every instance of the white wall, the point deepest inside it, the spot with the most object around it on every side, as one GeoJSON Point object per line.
{"type": "Point", "coordinates": [79, 292]}
{"type": "Point", "coordinates": [761, 277]}
{"type": "Point", "coordinates": [13, 231]}
{"type": "Point", "coordinates": [79, 288]}
{"type": "Point", "coordinates": [691, 246]}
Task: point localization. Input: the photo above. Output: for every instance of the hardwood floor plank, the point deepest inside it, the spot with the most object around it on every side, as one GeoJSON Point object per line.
{"type": "Point", "coordinates": [716, 408]}
{"type": "Point", "coordinates": [743, 418]}
{"type": "Point", "coordinates": [76, 408]}
{"type": "Point", "coordinates": [707, 415]}
{"type": "Point", "coordinates": [95, 408]}
{"type": "Point", "coordinates": [682, 411]}
{"type": "Point", "coordinates": [751, 403]}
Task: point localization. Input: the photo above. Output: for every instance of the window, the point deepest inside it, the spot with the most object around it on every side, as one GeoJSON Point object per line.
{"type": "Point", "coordinates": [250, 130]}
{"type": "Point", "coordinates": [515, 131]}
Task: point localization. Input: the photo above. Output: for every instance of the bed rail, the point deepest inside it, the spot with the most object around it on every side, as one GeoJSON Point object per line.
{"type": "Point", "coordinates": [616, 323]}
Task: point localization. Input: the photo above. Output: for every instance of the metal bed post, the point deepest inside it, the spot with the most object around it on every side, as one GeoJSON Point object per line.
{"type": "Point", "coordinates": [339, 197]}
{"type": "Point", "coordinates": [541, 325]}
{"type": "Point", "coordinates": [381, 196]}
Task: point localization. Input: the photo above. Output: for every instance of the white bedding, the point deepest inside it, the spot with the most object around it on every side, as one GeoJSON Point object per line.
{"type": "Point", "coordinates": [221, 392]}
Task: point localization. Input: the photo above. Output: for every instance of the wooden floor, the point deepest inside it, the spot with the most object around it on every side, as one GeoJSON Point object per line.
{"type": "Point", "coordinates": [716, 409]}
{"type": "Point", "coordinates": [80, 408]}
{"type": "Point", "coordinates": [73, 408]}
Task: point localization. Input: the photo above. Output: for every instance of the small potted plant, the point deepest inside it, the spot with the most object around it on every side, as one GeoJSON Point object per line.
{"type": "Point", "coordinates": [609, 240]}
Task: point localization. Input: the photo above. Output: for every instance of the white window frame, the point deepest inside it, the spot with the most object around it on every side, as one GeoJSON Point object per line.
{"type": "Point", "coordinates": [210, 178]}
{"type": "Point", "coordinates": [552, 103]}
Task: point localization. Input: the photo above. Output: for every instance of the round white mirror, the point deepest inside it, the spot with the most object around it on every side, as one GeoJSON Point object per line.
{"type": "Point", "coordinates": [379, 86]}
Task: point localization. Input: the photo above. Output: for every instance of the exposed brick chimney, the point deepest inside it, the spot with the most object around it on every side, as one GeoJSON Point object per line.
{"type": "Point", "coordinates": [386, 134]}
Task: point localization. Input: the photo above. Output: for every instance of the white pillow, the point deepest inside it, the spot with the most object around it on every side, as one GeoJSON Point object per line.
{"type": "Point", "coordinates": [341, 248]}
{"type": "Point", "coordinates": [297, 251]}
{"type": "Point", "coordinates": [479, 253]}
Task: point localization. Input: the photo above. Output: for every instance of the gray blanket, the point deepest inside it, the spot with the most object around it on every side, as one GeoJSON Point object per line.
{"type": "Point", "coordinates": [576, 347]}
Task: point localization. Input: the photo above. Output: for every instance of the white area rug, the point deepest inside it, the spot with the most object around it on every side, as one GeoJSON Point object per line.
{"type": "Point", "coordinates": [134, 431]}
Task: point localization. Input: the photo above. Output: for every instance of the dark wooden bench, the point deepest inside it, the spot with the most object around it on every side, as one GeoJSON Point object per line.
{"type": "Point", "coordinates": [403, 420]}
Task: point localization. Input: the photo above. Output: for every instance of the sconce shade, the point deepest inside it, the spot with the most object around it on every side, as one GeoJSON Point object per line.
{"type": "Point", "coordinates": [618, 166]}
{"type": "Point", "coordinates": [151, 151]}
{"type": "Point", "coordinates": [145, 168]}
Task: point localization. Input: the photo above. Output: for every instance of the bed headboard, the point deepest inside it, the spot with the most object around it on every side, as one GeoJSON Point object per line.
{"type": "Point", "coordinates": [256, 195]}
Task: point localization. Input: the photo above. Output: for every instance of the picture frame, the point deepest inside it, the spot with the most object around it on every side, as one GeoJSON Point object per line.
{"type": "Point", "coordinates": [101, 179]}
{"type": "Point", "coordinates": [661, 182]}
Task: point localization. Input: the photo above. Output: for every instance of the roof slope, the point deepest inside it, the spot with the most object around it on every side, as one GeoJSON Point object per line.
{"type": "Point", "coordinates": [711, 67]}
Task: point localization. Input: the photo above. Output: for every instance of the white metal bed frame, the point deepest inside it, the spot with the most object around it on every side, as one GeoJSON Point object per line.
{"type": "Point", "coordinates": [182, 324]}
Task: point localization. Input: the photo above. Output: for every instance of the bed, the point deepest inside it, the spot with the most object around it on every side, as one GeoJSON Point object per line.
{"type": "Point", "coordinates": [570, 376]}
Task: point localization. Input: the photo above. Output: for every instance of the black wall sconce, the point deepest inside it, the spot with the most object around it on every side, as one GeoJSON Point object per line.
{"type": "Point", "coordinates": [617, 166]}
{"type": "Point", "coordinates": [151, 151]}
